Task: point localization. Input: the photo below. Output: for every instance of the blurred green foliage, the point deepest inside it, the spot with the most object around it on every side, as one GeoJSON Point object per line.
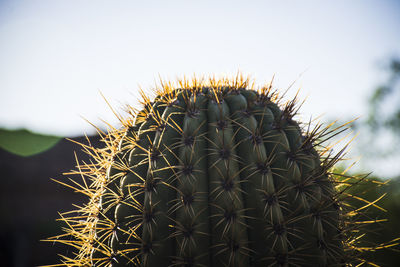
{"type": "Point", "coordinates": [25, 143]}
{"type": "Point", "coordinates": [381, 127]}
{"type": "Point", "coordinates": [378, 202]}
{"type": "Point", "coordinates": [380, 115]}
{"type": "Point", "coordinates": [379, 140]}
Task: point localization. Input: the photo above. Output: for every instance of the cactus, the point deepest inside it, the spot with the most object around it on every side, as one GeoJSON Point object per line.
{"type": "Point", "coordinates": [212, 173]}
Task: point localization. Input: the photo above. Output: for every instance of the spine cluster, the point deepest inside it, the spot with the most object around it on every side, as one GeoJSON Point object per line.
{"type": "Point", "coordinates": [212, 175]}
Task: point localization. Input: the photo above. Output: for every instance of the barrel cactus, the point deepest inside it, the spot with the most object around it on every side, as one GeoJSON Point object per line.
{"type": "Point", "coordinates": [213, 173]}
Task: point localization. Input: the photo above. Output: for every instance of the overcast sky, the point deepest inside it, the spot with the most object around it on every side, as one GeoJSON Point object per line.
{"type": "Point", "coordinates": [57, 55]}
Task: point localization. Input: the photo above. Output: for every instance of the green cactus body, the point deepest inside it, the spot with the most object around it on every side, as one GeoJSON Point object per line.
{"type": "Point", "coordinates": [213, 175]}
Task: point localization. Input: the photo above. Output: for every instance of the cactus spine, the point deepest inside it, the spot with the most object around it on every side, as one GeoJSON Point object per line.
{"type": "Point", "coordinates": [211, 174]}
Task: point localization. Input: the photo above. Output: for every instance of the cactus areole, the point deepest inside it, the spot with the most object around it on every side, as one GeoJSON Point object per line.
{"type": "Point", "coordinates": [211, 174]}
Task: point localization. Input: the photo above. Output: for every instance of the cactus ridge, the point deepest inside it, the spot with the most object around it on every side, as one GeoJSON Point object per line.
{"type": "Point", "coordinates": [212, 173]}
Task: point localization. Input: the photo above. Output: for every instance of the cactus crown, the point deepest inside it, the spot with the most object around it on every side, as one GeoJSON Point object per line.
{"type": "Point", "coordinates": [212, 173]}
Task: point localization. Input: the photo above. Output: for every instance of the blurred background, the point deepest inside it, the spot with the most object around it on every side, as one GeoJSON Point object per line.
{"type": "Point", "coordinates": [58, 57]}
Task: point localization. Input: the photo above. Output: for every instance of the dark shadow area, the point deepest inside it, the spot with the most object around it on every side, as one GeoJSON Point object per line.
{"type": "Point", "coordinates": [30, 202]}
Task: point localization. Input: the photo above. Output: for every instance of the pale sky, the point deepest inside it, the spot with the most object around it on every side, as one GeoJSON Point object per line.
{"type": "Point", "coordinates": [57, 55]}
